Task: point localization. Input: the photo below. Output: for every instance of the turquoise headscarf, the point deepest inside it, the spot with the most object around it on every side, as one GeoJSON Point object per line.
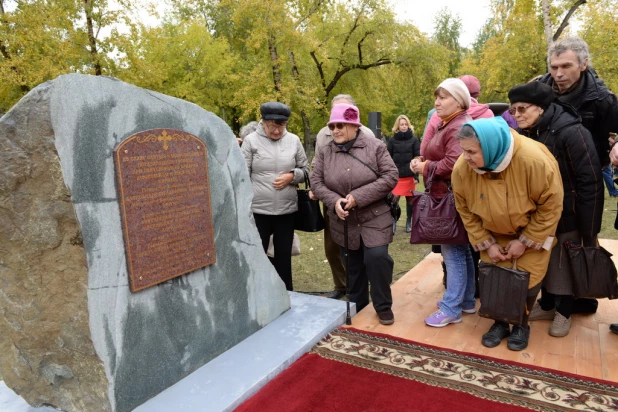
{"type": "Point", "coordinates": [495, 137]}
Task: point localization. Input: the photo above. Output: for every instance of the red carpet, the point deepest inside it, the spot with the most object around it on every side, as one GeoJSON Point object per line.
{"type": "Point", "coordinates": [350, 370]}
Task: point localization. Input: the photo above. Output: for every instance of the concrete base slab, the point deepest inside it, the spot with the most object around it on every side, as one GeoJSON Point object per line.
{"type": "Point", "coordinates": [231, 378]}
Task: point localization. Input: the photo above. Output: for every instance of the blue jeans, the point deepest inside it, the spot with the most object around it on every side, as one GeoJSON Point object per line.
{"type": "Point", "coordinates": [460, 280]}
{"type": "Point", "coordinates": [608, 178]}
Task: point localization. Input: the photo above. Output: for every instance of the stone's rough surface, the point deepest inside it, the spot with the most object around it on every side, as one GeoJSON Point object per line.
{"type": "Point", "coordinates": [72, 335]}
{"type": "Point", "coordinates": [164, 196]}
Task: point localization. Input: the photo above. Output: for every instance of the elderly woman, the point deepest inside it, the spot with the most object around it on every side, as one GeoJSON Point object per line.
{"type": "Point", "coordinates": [352, 175]}
{"type": "Point", "coordinates": [277, 163]}
{"type": "Point", "coordinates": [440, 154]}
{"type": "Point", "coordinates": [560, 129]}
{"type": "Point", "coordinates": [508, 192]}
{"type": "Point", "coordinates": [404, 147]}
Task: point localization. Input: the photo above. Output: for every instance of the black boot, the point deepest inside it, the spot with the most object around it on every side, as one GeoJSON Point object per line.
{"type": "Point", "coordinates": [519, 338]}
{"type": "Point", "coordinates": [497, 332]}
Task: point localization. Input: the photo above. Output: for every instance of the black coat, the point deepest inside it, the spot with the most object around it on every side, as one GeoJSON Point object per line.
{"type": "Point", "coordinates": [561, 130]}
{"type": "Point", "coordinates": [404, 147]}
{"type": "Point", "coordinates": [598, 109]}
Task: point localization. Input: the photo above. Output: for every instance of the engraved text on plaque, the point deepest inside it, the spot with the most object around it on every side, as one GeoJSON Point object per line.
{"type": "Point", "coordinates": [164, 196]}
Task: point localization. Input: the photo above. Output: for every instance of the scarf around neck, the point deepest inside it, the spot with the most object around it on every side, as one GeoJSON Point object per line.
{"type": "Point", "coordinates": [407, 135]}
{"type": "Point", "coordinates": [451, 117]}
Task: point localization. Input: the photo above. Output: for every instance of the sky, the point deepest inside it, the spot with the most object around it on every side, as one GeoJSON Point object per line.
{"type": "Point", "coordinates": [473, 15]}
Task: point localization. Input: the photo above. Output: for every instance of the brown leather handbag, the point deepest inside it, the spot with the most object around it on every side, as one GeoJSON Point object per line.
{"type": "Point", "coordinates": [503, 292]}
{"type": "Point", "coordinates": [436, 222]}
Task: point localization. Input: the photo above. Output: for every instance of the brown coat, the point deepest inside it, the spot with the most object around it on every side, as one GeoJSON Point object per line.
{"type": "Point", "coordinates": [442, 152]}
{"type": "Point", "coordinates": [336, 174]}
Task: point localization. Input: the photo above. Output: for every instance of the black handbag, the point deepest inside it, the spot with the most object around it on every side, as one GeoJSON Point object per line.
{"type": "Point", "coordinates": [503, 292]}
{"type": "Point", "coordinates": [594, 272]}
{"type": "Point", "coordinates": [308, 217]}
{"type": "Point", "coordinates": [436, 222]}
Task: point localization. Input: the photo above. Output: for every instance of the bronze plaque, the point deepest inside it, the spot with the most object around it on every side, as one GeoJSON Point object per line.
{"type": "Point", "coordinates": [164, 194]}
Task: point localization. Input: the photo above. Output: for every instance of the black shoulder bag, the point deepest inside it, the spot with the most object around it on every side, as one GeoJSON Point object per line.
{"type": "Point", "coordinates": [389, 199]}
{"type": "Point", "coordinates": [308, 217]}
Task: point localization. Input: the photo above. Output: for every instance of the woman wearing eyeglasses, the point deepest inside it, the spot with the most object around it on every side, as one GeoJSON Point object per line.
{"type": "Point", "coordinates": [352, 175]}
{"type": "Point", "coordinates": [277, 163]}
{"type": "Point", "coordinates": [452, 99]}
{"type": "Point", "coordinates": [559, 128]}
{"type": "Point", "coordinates": [509, 195]}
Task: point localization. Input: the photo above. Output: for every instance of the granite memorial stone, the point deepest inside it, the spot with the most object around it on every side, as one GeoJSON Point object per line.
{"type": "Point", "coordinates": [72, 335]}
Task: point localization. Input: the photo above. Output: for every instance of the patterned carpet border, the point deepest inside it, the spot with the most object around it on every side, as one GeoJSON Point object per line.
{"type": "Point", "coordinates": [487, 378]}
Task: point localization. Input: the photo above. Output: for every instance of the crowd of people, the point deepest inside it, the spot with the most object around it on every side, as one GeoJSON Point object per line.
{"type": "Point", "coordinates": [524, 182]}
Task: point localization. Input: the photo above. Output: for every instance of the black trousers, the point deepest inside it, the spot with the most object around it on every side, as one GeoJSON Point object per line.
{"type": "Point", "coordinates": [282, 229]}
{"type": "Point", "coordinates": [562, 303]}
{"type": "Point", "coordinates": [370, 265]}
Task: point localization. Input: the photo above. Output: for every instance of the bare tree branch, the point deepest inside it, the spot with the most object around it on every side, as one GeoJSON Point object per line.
{"type": "Point", "coordinates": [344, 70]}
{"type": "Point", "coordinates": [315, 8]}
{"type": "Point", "coordinates": [565, 21]}
{"type": "Point", "coordinates": [320, 69]}
{"type": "Point", "coordinates": [359, 46]}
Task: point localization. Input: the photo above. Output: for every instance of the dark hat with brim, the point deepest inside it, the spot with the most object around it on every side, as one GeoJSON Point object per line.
{"type": "Point", "coordinates": [275, 111]}
{"type": "Point", "coordinates": [536, 93]}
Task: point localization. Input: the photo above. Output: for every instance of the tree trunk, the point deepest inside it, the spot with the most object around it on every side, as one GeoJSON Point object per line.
{"type": "Point", "coordinates": [274, 61]}
{"type": "Point", "coordinates": [306, 132]}
{"type": "Point", "coordinates": [547, 22]}
{"type": "Point", "coordinates": [303, 114]}
{"type": "Point", "coordinates": [91, 39]}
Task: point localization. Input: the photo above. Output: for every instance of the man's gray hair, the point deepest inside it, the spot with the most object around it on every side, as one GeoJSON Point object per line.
{"type": "Point", "coordinates": [579, 46]}
{"type": "Point", "coordinates": [343, 97]}
{"type": "Point", "coordinates": [247, 129]}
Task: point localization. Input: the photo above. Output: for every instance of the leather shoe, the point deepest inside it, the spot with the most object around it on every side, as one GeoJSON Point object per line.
{"type": "Point", "coordinates": [496, 333]}
{"type": "Point", "coordinates": [408, 226]}
{"type": "Point", "coordinates": [335, 294]}
{"type": "Point", "coordinates": [614, 328]}
{"type": "Point", "coordinates": [386, 317]}
{"type": "Point", "coordinates": [519, 338]}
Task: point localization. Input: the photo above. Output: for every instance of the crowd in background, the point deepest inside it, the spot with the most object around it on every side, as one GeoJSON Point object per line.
{"type": "Point", "coordinates": [526, 181]}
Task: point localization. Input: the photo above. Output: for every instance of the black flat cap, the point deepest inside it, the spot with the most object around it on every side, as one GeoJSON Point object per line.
{"type": "Point", "coordinates": [536, 93]}
{"type": "Point", "coordinates": [275, 111]}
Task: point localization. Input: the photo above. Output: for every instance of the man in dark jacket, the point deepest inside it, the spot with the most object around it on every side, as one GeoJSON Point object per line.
{"type": "Point", "coordinates": [577, 84]}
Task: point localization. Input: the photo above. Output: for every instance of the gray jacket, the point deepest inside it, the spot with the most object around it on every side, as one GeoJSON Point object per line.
{"type": "Point", "coordinates": [266, 159]}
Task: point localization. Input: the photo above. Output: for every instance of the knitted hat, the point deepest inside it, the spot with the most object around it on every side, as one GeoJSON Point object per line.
{"type": "Point", "coordinates": [345, 113]}
{"type": "Point", "coordinates": [536, 93]}
{"type": "Point", "coordinates": [275, 111]}
{"type": "Point", "coordinates": [458, 90]}
{"type": "Point", "coordinates": [472, 83]}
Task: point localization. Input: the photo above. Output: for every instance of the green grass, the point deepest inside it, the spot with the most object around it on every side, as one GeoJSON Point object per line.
{"type": "Point", "coordinates": [311, 271]}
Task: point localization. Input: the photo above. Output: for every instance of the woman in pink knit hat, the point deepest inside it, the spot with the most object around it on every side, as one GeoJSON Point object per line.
{"type": "Point", "coordinates": [352, 175]}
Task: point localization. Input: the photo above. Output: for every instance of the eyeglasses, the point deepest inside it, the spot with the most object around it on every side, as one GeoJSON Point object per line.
{"type": "Point", "coordinates": [519, 109]}
{"type": "Point", "coordinates": [339, 126]}
{"type": "Point", "coordinates": [280, 126]}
